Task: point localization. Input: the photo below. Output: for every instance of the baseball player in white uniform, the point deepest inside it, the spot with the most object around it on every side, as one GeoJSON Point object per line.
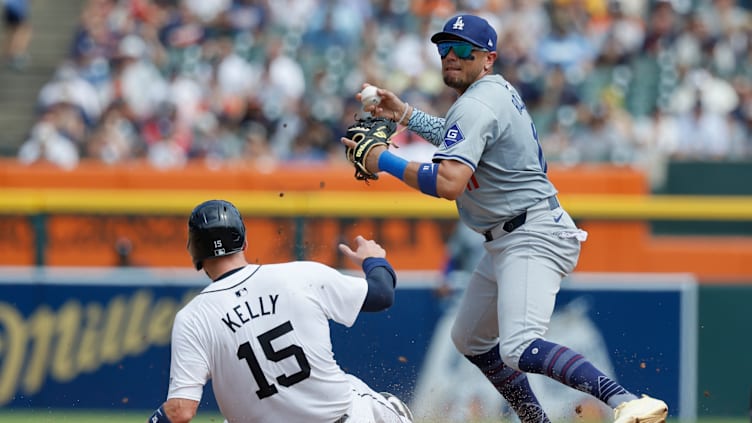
{"type": "Point", "coordinates": [261, 332]}
{"type": "Point", "coordinates": [490, 162]}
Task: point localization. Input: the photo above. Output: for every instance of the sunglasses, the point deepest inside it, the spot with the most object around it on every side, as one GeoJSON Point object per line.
{"type": "Point", "coordinates": [462, 49]}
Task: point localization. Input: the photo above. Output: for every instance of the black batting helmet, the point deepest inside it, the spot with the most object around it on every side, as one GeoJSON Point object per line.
{"type": "Point", "coordinates": [215, 229]}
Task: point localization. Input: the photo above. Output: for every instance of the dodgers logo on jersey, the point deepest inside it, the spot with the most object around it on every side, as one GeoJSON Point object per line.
{"type": "Point", "coordinates": [453, 135]}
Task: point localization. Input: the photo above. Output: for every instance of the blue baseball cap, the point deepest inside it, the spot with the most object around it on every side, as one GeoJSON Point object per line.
{"type": "Point", "coordinates": [473, 29]}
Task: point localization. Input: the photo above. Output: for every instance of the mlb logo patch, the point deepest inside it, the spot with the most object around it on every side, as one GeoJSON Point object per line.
{"type": "Point", "coordinates": [453, 135]}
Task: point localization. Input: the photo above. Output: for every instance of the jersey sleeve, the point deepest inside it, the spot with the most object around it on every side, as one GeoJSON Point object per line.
{"type": "Point", "coordinates": [470, 125]}
{"type": "Point", "coordinates": [189, 367]}
{"type": "Point", "coordinates": [429, 127]}
{"type": "Point", "coordinates": [340, 296]}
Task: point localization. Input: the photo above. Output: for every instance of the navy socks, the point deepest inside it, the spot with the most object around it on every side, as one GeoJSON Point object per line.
{"type": "Point", "coordinates": [570, 368]}
{"type": "Point", "coordinates": [512, 385]}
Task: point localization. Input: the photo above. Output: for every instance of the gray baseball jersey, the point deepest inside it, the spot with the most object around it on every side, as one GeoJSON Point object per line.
{"type": "Point", "coordinates": [262, 335]}
{"type": "Point", "coordinates": [482, 127]}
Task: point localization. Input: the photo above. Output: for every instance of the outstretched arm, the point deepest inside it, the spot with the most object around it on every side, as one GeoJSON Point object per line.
{"type": "Point", "coordinates": [446, 179]}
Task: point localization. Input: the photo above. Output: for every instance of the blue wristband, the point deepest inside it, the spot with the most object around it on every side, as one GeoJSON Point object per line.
{"type": "Point", "coordinates": [393, 165]}
{"type": "Point", "coordinates": [372, 262]}
{"type": "Point", "coordinates": [428, 174]}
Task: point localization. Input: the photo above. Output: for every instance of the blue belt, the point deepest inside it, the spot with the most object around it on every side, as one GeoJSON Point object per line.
{"type": "Point", "coordinates": [519, 220]}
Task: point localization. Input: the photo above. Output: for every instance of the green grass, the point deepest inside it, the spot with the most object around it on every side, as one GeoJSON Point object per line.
{"type": "Point", "coordinates": [700, 420]}
{"type": "Point", "coordinates": [50, 416]}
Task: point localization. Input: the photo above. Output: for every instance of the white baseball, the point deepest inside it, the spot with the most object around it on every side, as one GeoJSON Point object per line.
{"type": "Point", "coordinates": [369, 96]}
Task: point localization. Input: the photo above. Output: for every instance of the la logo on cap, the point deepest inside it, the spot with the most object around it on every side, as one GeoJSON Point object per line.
{"type": "Point", "coordinates": [458, 24]}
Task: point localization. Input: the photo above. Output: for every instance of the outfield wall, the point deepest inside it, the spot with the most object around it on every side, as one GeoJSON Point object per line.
{"type": "Point", "coordinates": [50, 217]}
{"type": "Point", "coordinates": [99, 338]}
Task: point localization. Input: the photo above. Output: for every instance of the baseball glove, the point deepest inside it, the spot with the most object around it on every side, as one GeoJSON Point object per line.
{"type": "Point", "coordinates": [368, 133]}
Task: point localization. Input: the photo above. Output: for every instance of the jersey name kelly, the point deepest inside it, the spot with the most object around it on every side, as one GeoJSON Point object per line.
{"type": "Point", "coordinates": [245, 312]}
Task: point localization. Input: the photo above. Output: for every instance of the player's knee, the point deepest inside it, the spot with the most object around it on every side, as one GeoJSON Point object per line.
{"type": "Point", "coordinates": [512, 351]}
{"type": "Point", "coordinates": [461, 341]}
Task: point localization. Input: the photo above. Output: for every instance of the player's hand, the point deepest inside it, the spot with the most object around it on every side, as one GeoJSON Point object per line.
{"type": "Point", "coordinates": [371, 162]}
{"type": "Point", "coordinates": [364, 248]}
{"type": "Point", "coordinates": [390, 107]}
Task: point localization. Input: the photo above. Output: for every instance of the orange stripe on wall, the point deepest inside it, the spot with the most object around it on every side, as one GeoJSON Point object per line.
{"type": "Point", "coordinates": [335, 177]}
{"type": "Point", "coordinates": [613, 246]}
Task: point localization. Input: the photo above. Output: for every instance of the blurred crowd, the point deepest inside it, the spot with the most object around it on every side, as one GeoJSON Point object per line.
{"type": "Point", "coordinates": [16, 34]}
{"type": "Point", "coordinates": [263, 82]}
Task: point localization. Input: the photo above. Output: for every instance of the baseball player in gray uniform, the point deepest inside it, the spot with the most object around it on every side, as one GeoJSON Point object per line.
{"type": "Point", "coordinates": [261, 332]}
{"type": "Point", "coordinates": [490, 162]}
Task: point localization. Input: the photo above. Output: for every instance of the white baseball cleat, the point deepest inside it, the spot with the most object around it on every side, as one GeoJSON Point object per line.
{"type": "Point", "coordinates": [641, 410]}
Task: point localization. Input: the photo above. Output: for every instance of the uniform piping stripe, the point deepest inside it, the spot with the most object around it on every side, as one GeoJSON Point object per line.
{"type": "Point", "coordinates": [234, 286]}
{"type": "Point", "coordinates": [452, 157]}
{"type": "Point", "coordinates": [380, 401]}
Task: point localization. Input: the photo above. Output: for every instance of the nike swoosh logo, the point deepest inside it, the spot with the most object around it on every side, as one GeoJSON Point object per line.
{"type": "Point", "coordinates": [558, 218]}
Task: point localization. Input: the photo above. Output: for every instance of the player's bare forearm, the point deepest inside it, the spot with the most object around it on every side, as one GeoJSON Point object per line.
{"type": "Point", "coordinates": [409, 177]}
{"type": "Point", "coordinates": [446, 179]}
{"type": "Point", "coordinates": [179, 410]}
{"type": "Point", "coordinates": [451, 178]}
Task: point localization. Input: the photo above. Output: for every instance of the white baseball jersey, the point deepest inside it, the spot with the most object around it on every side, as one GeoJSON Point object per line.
{"type": "Point", "coordinates": [262, 335]}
